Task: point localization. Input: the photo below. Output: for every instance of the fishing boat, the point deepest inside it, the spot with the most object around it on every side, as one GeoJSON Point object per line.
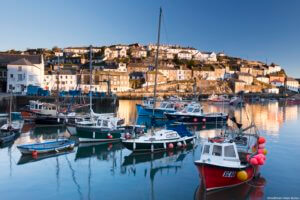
{"type": "Point", "coordinates": [193, 114]}
{"type": "Point", "coordinates": [104, 130]}
{"type": "Point", "coordinates": [47, 147]}
{"type": "Point", "coordinates": [164, 139]}
{"type": "Point", "coordinates": [231, 159]}
{"type": "Point", "coordinates": [218, 99]}
{"type": "Point", "coordinates": [169, 106]}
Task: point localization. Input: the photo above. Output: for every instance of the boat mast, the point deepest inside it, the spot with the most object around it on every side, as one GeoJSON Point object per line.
{"type": "Point", "coordinates": [156, 59]}
{"type": "Point", "coordinates": [91, 79]}
{"type": "Point", "coordinates": [10, 108]}
{"type": "Point", "coordinates": [57, 80]}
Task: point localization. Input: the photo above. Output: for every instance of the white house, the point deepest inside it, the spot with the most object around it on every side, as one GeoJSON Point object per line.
{"type": "Point", "coordinates": [25, 71]}
{"type": "Point", "coordinates": [67, 80]}
{"type": "Point", "coordinates": [205, 56]}
{"type": "Point", "coordinates": [111, 53]}
{"type": "Point", "coordinates": [184, 55]}
{"type": "Point", "coordinates": [273, 90]}
{"type": "Point", "coordinates": [263, 79]}
{"type": "Point", "coordinates": [273, 68]}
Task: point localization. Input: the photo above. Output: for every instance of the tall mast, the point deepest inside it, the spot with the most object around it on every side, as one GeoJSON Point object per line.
{"type": "Point", "coordinates": [156, 59]}
{"type": "Point", "coordinates": [10, 108]}
{"type": "Point", "coordinates": [57, 80]}
{"type": "Point", "coordinates": [91, 79]}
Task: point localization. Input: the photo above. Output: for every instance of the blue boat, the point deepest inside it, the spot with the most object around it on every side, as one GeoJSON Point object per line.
{"type": "Point", "coordinates": [146, 110]}
{"type": "Point", "coordinates": [47, 147]}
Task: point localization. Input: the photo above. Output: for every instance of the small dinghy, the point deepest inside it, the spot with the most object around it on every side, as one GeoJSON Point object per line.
{"type": "Point", "coordinates": [47, 147]}
{"type": "Point", "coordinates": [6, 137]}
{"type": "Point", "coordinates": [173, 137]}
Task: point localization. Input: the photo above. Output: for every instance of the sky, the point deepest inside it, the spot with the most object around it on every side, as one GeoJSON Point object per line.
{"type": "Point", "coordinates": [265, 30]}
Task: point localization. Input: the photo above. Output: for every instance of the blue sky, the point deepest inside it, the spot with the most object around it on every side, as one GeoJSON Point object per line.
{"type": "Point", "coordinates": [254, 29]}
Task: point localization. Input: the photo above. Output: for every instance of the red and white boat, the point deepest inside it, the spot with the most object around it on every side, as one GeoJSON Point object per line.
{"type": "Point", "coordinates": [232, 160]}
{"type": "Point", "coordinates": [218, 99]}
{"type": "Point", "coordinates": [220, 166]}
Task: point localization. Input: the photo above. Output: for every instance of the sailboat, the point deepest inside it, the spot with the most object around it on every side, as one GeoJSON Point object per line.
{"type": "Point", "coordinates": [167, 138]}
{"type": "Point", "coordinates": [10, 130]}
{"type": "Point", "coordinates": [99, 127]}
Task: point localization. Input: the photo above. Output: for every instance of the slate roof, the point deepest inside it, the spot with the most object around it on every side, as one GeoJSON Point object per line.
{"type": "Point", "coordinates": [22, 61]}
{"type": "Point", "coordinates": [6, 58]}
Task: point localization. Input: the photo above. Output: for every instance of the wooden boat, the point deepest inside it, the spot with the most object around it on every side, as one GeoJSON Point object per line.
{"type": "Point", "coordinates": [47, 147]}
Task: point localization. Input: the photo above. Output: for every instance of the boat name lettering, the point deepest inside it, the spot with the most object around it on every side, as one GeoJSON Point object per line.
{"type": "Point", "coordinates": [229, 174]}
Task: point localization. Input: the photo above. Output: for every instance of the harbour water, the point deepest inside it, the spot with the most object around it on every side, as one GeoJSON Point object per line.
{"type": "Point", "coordinates": [108, 171]}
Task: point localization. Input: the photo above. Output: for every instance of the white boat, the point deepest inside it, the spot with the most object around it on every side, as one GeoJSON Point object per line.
{"type": "Point", "coordinates": [218, 99]}
{"type": "Point", "coordinates": [160, 140]}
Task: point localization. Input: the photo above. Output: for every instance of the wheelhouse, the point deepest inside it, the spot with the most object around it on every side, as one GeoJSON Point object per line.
{"type": "Point", "coordinates": [220, 154]}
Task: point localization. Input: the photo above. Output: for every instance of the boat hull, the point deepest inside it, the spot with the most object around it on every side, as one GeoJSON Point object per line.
{"type": "Point", "coordinates": [48, 120]}
{"type": "Point", "coordinates": [216, 177]}
{"type": "Point", "coordinates": [90, 134]}
{"type": "Point", "coordinates": [7, 138]}
{"type": "Point", "coordinates": [190, 119]}
{"type": "Point", "coordinates": [136, 146]}
{"type": "Point", "coordinates": [158, 113]}
{"type": "Point", "coordinates": [47, 147]}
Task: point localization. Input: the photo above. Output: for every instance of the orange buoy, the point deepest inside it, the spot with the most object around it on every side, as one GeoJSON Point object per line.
{"type": "Point", "coordinates": [265, 151]}
{"type": "Point", "coordinates": [242, 175]}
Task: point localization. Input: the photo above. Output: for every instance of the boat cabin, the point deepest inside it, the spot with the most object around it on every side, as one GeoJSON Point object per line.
{"type": "Point", "coordinates": [148, 102]}
{"type": "Point", "coordinates": [167, 105]}
{"type": "Point", "coordinates": [106, 123]}
{"type": "Point", "coordinates": [221, 154]}
{"type": "Point", "coordinates": [42, 108]}
{"type": "Point", "coordinates": [193, 108]}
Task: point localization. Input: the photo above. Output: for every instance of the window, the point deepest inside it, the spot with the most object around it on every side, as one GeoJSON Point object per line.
{"type": "Point", "coordinates": [229, 151]}
{"type": "Point", "coordinates": [206, 149]}
{"type": "Point", "coordinates": [11, 76]}
{"type": "Point", "coordinates": [20, 77]}
{"type": "Point", "coordinates": [66, 77]}
{"type": "Point", "coordinates": [217, 150]}
{"type": "Point", "coordinates": [20, 68]}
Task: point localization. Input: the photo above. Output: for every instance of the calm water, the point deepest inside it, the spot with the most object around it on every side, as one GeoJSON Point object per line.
{"type": "Point", "coordinates": [108, 171]}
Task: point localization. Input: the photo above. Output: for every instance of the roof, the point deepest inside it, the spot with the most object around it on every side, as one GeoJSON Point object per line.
{"type": "Point", "coordinates": [22, 61]}
{"type": "Point", "coordinates": [6, 58]}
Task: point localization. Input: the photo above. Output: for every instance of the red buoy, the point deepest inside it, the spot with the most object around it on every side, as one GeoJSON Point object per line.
{"type": "Point", "coordinates": [253, 161]}
{"type": "Point", "coordinates": [170, 146]}
{"type": "Point", "coordinates": [204, 120]}
{"type": "Point", "coordinates": [261, 140]}
{"type": "Point", "coordinates": [34, 154]}
{"type": "Point", "coordinates": [109, 136]}
{"type": "Point", "coordinates": [195, 119]}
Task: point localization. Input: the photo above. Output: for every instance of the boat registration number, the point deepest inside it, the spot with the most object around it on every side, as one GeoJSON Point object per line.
{"type": "Point", "coordinates": [229, 174]}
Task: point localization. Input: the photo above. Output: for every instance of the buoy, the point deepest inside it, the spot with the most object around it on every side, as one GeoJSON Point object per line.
{"type": "Point", "coordinates": [261, 140]}
{"type": "Point", "coordinates": [34, 154]}
{"type": "Point", "coordinates": [265, 151]}
{"type": "Point", "coordinates": [179, 144]}
{"type": "Point", "coordinates": [195, 119]}
{"type": "Point", "coordinates": [170, 146]}
{"type": "Point", "coordinates": [253, 161]}
{"type": "Point", "coordinates": [242, 175]}
{"type": "Point", "coordinates": [261, 146]}
{"type": "Point", "coordinates": [260, 151]}
{"type": "Point", "coordinates": [109, 136]}
{"type": "Point", "coordinates": [204, 120]}
{"type": "Point", "coordinates": [261, 161]}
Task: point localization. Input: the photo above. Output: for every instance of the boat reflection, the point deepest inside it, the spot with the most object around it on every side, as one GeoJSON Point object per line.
{"type": "Point", "coordinates": [251, 190]}
{"type": "Point", "coordinates": [24, 159]}
{"type": "Point", "coordinates": [100, 151]}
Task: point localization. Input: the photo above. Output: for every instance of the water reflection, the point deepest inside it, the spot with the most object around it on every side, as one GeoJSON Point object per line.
{"type": "Point", "coordinates": [251, 190]}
